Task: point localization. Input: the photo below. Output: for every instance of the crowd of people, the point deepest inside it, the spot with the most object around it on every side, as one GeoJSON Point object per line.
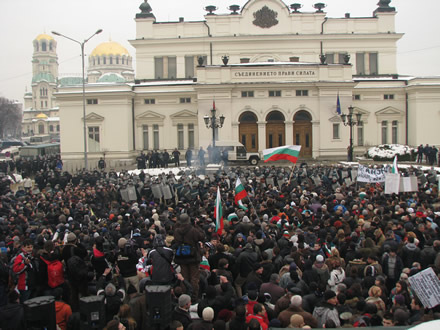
{"type": "Point", "coordinates": [307, 249]}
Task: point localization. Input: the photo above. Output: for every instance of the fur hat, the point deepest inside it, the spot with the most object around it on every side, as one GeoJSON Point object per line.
{"type": "Point", "coordinates": [208, 314]}
{"type": "Point", "coordinates": [121, 243]}
{"type": "Point", "coordinates": [71, 237]}
{"type": "Point", "coordinates": [184, 218]}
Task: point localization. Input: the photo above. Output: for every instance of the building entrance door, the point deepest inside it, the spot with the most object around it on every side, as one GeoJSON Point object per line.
{"type": "Point", "coordinates": [302, 132]}
{"type": "Point", "coordinates": [275, 130]}
{"type": "Point", "coordinates": [248, 131]}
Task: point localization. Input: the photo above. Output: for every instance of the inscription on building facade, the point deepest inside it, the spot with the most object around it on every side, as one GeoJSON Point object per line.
{"type": "Point", "coordinates": [276, 73]}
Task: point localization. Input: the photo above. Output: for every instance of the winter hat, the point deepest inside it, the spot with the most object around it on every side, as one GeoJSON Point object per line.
{"type": "Point", "coordinates": [246, 219]}
{"type": "Point", "coordinates": [329, 294]}
{"type": "Point", "coordinates": [319, 258]}
{"type": "Point", "coordinates": [208, 314]}
{"type": "Point", "coordinates": [121, 243]}
{"type": "Point", "coordinates": [184, 299]}
{"type": "Point", "coordinates": [252, 294]}
{"type": "Point", "coordinates": [71, 237]}
{"type": "Point", "coordinates": [184, 218]}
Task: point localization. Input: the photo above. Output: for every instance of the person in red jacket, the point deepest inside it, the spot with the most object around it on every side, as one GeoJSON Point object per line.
{"type": "Point", "coordinates": [259, 312]}
{"type": "Point", "coordinates": [63, 311]}
{"type": "Point", "coordinates": [23, 268]}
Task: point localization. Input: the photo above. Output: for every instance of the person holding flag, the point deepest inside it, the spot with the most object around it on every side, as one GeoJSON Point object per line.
{"type": "Point", "coordinates": [218, 211]}
{"type": "Point", "coordinates": [240, 194]}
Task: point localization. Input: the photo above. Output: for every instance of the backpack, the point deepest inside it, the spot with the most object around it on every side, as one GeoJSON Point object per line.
{"type": "Point", "coordinates": [55, 273]}
{"type": "Point", "coordinates": [76, 267]}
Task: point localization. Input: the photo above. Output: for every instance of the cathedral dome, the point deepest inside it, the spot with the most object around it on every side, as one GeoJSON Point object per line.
{"type": "Point", "coordinates": [110, 48]}
{"type": "Point", "coordinates": [41, 116]}
{"type": "Point", "coordinates": [43, 36]}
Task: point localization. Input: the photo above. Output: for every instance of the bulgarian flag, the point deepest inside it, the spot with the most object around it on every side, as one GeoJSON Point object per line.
{"type": "Point", "coordinates": [218, 213]}
{"type": "Point", "coordinates": [395, 169]}
{"type": "Point", "coordinates": [290, 153]}
{"type": "Point", "coordinates": [240, 193]}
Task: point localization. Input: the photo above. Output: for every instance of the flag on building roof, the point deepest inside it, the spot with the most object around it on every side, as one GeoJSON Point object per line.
{"type": "Point", "coordinates": [290, 153]}
{"type": "Point", "coordinates": [240, 193]}
{"type": "Point", "coordinates": [395, 169]}
{"type": "Point", "coordinates": [218, 213]}
{"type": "Point", "coordinates": [338, 105]}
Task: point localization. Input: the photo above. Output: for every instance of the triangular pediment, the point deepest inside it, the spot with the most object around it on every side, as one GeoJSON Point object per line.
{"type": "Point", "coordinates": [150, 115]}
{"type": "Point", "coordinates": [94, 117]}
{"type": "Point", "coordinates": [335, 119]}
{"type": "Point", "coordinates": [390, 111]}
{"type": "Point", "coordinates": [184, 114]}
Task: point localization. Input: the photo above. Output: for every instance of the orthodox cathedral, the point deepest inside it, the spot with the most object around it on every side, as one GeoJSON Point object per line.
{"type": "Point", "coordinates": [276, 73]}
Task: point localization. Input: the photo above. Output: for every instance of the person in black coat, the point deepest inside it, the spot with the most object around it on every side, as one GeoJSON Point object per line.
{"type": "Point", "coordinates": [181, 311]}
{"type": "Point", "coordinates": [12, 315]}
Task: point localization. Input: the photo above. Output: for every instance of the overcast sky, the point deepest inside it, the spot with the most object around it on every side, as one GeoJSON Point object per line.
{"type": "Point", "coordinates": [23, 20]}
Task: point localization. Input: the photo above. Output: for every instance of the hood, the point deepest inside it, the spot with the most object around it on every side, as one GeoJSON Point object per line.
{"type": "Point", "coordinates": [59, 306]}
{"type": "Point", "coordinates": [411, 246]}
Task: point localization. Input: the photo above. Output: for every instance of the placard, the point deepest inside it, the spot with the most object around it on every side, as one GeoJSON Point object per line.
{"type": "Point", "coordinates": [427, 287]}
{"type": "Point", "coordinates": [366, 174]}
{"type": "Point", "coordinates": [392, 183]}
{"type": "Point", "coordinates": [408, 184]}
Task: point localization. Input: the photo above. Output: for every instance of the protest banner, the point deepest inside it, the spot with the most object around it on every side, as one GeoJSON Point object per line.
{"type": "Point", "coordinates": [408, 184]}
{"type": "Point", "coordinates": [366, 174]}
{"type": "Point", "coordinates": [392, 183]}
{"type": "Point", "coordinates": [426, 285]}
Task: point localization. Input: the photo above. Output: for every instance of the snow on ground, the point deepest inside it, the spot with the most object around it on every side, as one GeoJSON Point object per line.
{"type": "Point", "coordinates": [389, 150]}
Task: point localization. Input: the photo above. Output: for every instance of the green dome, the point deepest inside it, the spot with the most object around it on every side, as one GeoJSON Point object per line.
{"type": "Point", "coordinates": [112, 78]}
{"type": "Point", "coordinates": [44, 76]}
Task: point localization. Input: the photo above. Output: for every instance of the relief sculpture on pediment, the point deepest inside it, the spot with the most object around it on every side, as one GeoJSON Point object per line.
{"type": "Point", "coordinates": [265, 17]}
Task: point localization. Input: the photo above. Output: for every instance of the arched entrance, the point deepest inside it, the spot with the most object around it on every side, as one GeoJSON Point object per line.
{"type": "Point", "coordinates": [302, 132]}
{"type": "Point", "coordinates": [275, 130]}
{"type": "Point", "coordinates": [248, 131]}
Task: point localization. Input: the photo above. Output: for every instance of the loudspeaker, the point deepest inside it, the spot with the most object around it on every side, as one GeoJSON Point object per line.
{"type": "Point", "coordinates": [158, 298]}
{"type": "Point", "coordinates": [39, 313]}
{"type": "Point", "coordinates": [92, 312]}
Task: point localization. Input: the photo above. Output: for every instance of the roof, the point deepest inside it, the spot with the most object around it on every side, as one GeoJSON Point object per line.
{"type": "Point", "coordinates": [44, 36]}
{"type": "Point", "coordinates": [111, 77]}
{"type": "Point", "coordinates": [43, 76]}
{"type": "Point", "coordinates": [110, 48]}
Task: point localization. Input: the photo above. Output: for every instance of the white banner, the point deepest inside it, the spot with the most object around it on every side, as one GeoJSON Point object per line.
{"type": "Point", "coordinates": [392, 183]}
{"type": "Point", "coordinates": [427, 287]}
{"type": "Point", "coordinates": [408, 184]}
{"type": "Point", "coordinates": [366, 174]}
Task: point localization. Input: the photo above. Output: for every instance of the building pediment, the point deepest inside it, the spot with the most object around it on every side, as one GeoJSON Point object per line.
{"type": "Point", "coordinates": [184, 114]}
{"type": "Point", "coordinates": [389, 111]}
{"type": "Point", "coordinates": [94, 117]}
{"type": "Point", "coordinates": [150, 116]}
{"type": "Point", "coordinates": [335, 119]}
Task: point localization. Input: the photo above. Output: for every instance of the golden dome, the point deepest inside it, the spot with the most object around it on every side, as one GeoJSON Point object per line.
{"type": "Point", "coordinates": [41, 116]}
{"type": "Point", "coordinates": [43, 36]}
{"type": "Point", "coordinates": [109, 48]}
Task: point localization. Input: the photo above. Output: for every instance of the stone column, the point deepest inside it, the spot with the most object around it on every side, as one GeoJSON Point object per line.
{"type": "Point", "coordinates": [261, 135]}
{"type": "Point", "coordinates": [289, 131]}
{"type": "Point", "coordinates": [316, 138]}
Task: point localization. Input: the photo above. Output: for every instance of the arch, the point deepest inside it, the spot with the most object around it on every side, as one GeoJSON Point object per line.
{"type": "Point", "coordinates": [248, 130]}
{"type": "Point", "coordinates": [302, 132]}
{"type": "Point", "coordinates": [275, 129]}
{"type": "Point", "coordinates": [43, 46]}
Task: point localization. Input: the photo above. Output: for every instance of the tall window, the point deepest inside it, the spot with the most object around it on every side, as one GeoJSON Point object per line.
{"type": "Point", "coordinates": [145, 137]}
{"type": "Point", "coordinates": [94, 139]}
{"type": "Point", "coordinates": [158, 67]}
{"type": "Point", "coordinates": [41, 128]}
{"type": "Point", "coordinates": [156, 136]}
{"type": "Point", "coordinates": [58, 128]}
{"type": "Point", "coordinates": [111, 60]}
{"type": "Point", "coordinates": [43, 46]}
{"type": "Point", "coordinates": [172, 67]}
{"type": "Point", "coordinates": [180, 142]}
{"type": "Point", "coordinates": [189, 66]}
{"type": "Point", "coordinates": [191, 136]}
{"type": "Point", "coordinates": [336, 132]}
{"type": "Point", "coordinates": [384, 132]}
{"type": "Point", "coordinates": [360, 63]}
{"type": "Point", "coordinates": [360, 134]}
{"type": "Point", "coordinates": [394, 132]}
{"type": "Point", "coordinates": [117, 60]}
{"type": "Point", "coordinates": [50, 128]}
{"type": "Point", "coordinates": [373, 64]}
{"type": "Point", "coordinates": [104, 60]}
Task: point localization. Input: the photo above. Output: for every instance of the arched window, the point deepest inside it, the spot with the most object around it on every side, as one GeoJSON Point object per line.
{"type": "Point", "coordinates": [58, 128]}
{"type": "Point", "coordinates": [122, 60]}
{"type": "Point", "coordinates": [50, 128]}
{"type": "Point", "coordinates": [99, 62]}
{"type": "Point", "coordinates": [117, 60]}
{"type": "Point", "coordinates": [104, 60]}
{"type": "Point", "coordinates": [248, 117]}
{"type": "Point", "coordinates": [37, 46]}
{"type": "Point", "coordinates": [50, 46]}
{"type": "Point", "coordinates": [41, 128]}
{"type": "Point", "coordinates": [111, 60]}
{"type": "Point", "coordinates": [275, 116]}
{"type": "Point", "coordinates": [43, 46]}
{"type": "Point", "coordinates": [302, 116]}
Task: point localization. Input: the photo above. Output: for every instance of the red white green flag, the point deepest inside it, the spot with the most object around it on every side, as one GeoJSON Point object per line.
{"type": "Point", "coordinates": [290, 153]}
{"type": "Point", "coordinates": [240, 193]}
{"type": "Point", "coordinates": [218, 213]}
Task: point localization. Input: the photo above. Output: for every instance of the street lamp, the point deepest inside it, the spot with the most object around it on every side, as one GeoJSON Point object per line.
{"type": "Point", "coordinates": [83, 86]}
{"type": "Point", "coordinates": [347, 120]}
{"type": "Point", "coordinates": [214, 122]}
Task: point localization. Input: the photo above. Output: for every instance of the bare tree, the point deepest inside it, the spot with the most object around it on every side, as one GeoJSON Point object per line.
{"type": "Point", "coordinates": [10, 118]}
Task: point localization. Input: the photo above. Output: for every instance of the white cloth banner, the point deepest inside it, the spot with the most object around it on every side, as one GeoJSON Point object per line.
{"type": "Point", "coordinates": [392, 183]}
{"type": "Point", "coordinates": [427, 287]}
{"type": "Point", "coordinates": [408, 184]}
{"type": "Point", "coordinates": [366, 174]}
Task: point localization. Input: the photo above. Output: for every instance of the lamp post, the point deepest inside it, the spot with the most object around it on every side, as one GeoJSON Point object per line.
{"type": "Point", "coordinates": [83, 86]}
{"type": "Point", "coordinates": [214, 122]}
{"type": "Point", "coordinates": [348, 120]}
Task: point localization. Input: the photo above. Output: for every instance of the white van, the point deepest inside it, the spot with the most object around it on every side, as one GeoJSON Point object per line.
{"type": "Point", "coordinates": [238, 152]}
{"type": "Point", "coordinates": [10, 153]}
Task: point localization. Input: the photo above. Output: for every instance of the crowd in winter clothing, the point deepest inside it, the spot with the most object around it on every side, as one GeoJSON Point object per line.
{"type": "Point", "coordinates": [304, 253]}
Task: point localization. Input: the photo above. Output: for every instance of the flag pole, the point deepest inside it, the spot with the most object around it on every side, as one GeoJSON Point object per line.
{"type": "Point", "coordinates": [291, 172]}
